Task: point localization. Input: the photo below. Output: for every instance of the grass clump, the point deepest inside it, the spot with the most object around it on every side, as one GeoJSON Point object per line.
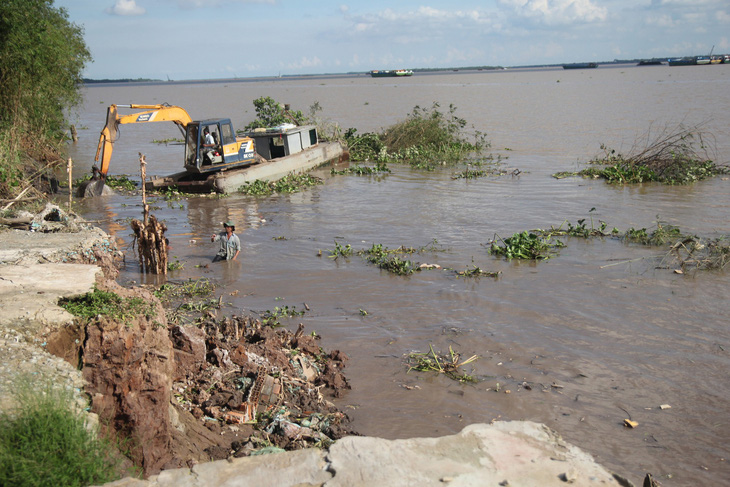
{"type": "Point", "coordinates": [389, 260]}
{"type": "Point", "coordinates": [673, 156]}
{"type": "Point", "coordinates": [525, 245]}
{"type": "Point", "coordinates": [44, 442]}
{"type": "Point", "coordinates": [425, 139]}
{"type": "Point", "coordinates": [291, 183]}
{"type": "Point", "coordinates": [476, 272]}
{"type": "Point", "coordinates": [121, 182]}
{"type": "Point", "coordinates": [106, 303]}
{"type": "Point", "coordinates": [358, 170]}
{"type": "Point", "coordinates": [447, 364]}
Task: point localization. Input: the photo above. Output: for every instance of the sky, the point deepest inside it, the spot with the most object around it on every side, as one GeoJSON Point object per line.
{"type": "Point", "coordinates": [214, 39]}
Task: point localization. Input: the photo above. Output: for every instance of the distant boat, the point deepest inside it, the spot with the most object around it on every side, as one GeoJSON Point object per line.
{"type": "Point", "coordinates": [650, 63]}
{"type": "Point", "coordinates": [580, 65]}
{"type": "Point", "coordinates": [390, 73]}
{"type": "Point", "coordinates": [702, 60]}
{"type": "Point", "coordinates": [684, 61]}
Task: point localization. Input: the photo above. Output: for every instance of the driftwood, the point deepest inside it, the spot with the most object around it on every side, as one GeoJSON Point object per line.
{"type": "Point", "coordinates": [151, 245]}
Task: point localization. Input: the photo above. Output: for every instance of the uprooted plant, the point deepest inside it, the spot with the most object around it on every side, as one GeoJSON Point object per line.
{"type": "Point", "coordinates": [447, 364]}
{"type": "Point", "coordinates": [425, 139]}
{"type": "Point", "coordinates": [525, 245]}
{"type": "Point", "coordinates": [679, 155]}
{"type": "Point", "coordinates": [291, 183]}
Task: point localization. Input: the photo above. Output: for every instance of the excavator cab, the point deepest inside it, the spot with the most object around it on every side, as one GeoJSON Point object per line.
{"type": "Point", "coordinates": [219, 151]}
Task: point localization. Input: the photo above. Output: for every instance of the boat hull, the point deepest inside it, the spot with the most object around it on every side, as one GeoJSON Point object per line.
{"type": "Point", "coordinates": [230, 181]}
{"type": "Point", "coordinates": [580, 66]}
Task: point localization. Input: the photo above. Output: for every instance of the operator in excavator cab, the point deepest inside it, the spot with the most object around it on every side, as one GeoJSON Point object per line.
{"type": "Point", "coordinates": [209, 145]}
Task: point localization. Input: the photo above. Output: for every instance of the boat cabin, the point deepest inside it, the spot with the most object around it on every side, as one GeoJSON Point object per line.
{"type": "Point", "coordinates": [284, 140]}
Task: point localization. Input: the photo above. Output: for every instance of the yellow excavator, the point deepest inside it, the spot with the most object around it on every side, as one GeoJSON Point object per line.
{"type": "Point", "coordinates": [210, 145]}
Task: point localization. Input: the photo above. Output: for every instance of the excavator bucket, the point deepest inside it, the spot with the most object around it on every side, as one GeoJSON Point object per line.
{"type": "Point", "coordinates": [104, 152]}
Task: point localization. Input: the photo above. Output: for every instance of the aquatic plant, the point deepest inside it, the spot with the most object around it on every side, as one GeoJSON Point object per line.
{"type": "Point", "coordinates": [447, 364]}
{"type": "Point", "coordinates": [525, 245]}
{"type": "Point", "coordinates": [291, 183]}
{"type": "Point", "coordinates": [476, 272]}
{"type": "Point", "coordinates": [677, 155]}
{"type": "Point", "coordinates": [425, 139]}
{"type": "Point", "coordinates": [271, 318]}
{"type": "Point", "coordinates": [358, 170]}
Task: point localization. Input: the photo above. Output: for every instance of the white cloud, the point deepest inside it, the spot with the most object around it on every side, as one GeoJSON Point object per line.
{"type": "Point", "coordinates": [305, 63]}
{"type": "Point", "coordinates": [126, 8]}
{"type": "Point", "coordinates": [554, 12]}
{"type": "Point", "coordinates": [192, 4]}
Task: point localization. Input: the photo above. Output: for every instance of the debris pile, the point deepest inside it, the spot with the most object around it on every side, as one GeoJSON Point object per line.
{"type": "Point", "coordinates": [268, 382]}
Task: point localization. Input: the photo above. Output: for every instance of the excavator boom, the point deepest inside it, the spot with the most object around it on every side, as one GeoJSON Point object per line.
{"type": "Point", "coordinates": [150, 113]}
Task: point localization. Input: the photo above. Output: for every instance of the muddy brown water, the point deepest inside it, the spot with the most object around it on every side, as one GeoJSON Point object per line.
{"type": "Point", "coordinates": [598, 334]}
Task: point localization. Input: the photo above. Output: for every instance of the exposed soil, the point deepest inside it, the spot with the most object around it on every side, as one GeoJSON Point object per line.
{"type": "Point", "coordinates": [208, 391]}
{"type": "Point", "coordinates": [178, 395]}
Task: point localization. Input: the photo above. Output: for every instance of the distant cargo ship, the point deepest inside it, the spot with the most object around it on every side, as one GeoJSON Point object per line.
{"type": "Point", "coordinates": [389, 74]}
{"type": "Point", "coordinates": [580, 65]}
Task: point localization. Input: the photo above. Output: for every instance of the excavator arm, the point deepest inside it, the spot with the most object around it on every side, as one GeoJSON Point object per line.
{"type": "Point", "coordinates": [151, 113]}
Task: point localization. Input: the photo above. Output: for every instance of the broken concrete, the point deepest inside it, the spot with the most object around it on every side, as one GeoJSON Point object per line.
{"type": "Point", "coordinates": [514, 454]}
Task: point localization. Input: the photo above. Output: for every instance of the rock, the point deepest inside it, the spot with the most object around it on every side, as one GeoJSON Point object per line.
{"type": "Point", "coordinates": [517, 454]}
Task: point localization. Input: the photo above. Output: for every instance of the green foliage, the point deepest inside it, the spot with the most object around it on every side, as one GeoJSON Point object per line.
{"type": "Point", "coordinates": [107, 304]}
{"type": "Point", "coordinates": [270, 113]}
{"type": "Point", "coordinates": [11, 174]}
{"type": "Point", "coordinates": [425, 139]}
{"type": "Point", "coordinates": [658, 237]}
{"type": "Point", "coordinates": [448, 365]}
{"type": "Point", "coordinates": [476, 272]}
{"type": "Point", "coordinates": [44, 442]}
{"type": "Point", "coordinates": [41, 65]}
{"type": "Point", "coordinates": [120, 182]}
{"type": "Point", "coordinates": [271, 318]}
{"type": "Point", "coordinates": [189, 289]}
{"type": "Point", "coordinates": [291, 183]}
{"type": "Point", "coordinates": [340, 251]}
{"type": "Point", "coordinates": [676, 156]}
{"type": "Point", "coordinates": [525, 245]}
{"type": "Point", "coordinates": [358, 170]}
{"type": "Point", "coordinates": [388, 259]}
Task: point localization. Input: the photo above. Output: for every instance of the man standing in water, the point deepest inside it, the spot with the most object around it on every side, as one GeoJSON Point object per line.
{"type": "Point", "coordinates": [230, 244]}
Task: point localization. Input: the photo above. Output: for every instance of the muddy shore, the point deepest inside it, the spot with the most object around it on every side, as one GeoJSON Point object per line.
{"type": "Point", "coordinates": [186, 394]}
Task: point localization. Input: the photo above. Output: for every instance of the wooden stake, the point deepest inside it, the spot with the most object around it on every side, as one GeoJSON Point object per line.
{"type": "Point", "coordinates": [70, 169]}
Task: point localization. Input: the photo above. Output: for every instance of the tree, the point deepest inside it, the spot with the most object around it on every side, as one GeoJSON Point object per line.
{"type": "Point", "coordinates": [41, 63]}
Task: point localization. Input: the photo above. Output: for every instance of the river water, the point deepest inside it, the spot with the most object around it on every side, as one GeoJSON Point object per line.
{"type": "Point", "coordinates": [598, 334]}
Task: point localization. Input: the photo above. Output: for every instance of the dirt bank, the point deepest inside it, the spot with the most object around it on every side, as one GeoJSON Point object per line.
{"type": "Point", "coordinates": [175, 395]}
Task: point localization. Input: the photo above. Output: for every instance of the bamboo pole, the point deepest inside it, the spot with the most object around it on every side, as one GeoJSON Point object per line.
{"type": "Point", "coordinates": [70, 169]}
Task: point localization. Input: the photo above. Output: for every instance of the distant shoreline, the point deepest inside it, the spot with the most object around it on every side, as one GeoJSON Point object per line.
{"type": "Point", "coordinates": [364, 74]}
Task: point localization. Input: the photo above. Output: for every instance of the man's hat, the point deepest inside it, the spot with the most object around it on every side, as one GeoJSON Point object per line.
{"type": "Point", "coordinates": [230, 224]}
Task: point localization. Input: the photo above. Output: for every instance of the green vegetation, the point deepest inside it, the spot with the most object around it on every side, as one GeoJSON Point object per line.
{"type": "Point", "coordinates": [41, 62]}
{"type": "Point", "coordinates": [476, 272]}
{"type": "Point", "coordinates": [44, 442]}
{"type": "Point", "coordinates": [678, 156]}
{"type": "Point", "coordinates": [388, 259]}
{"type": "Point", "coordinates": [658, 237]}
{"type": "Point", "coordinates": [108, 304]}
{"type": "Point", "coordinates": [270, 113]}
{"type": "Point", "coordinates": [525, 245]}
{"type": "Point", "coordinates": [180, 298]}
{"type": "Point", "coordinates": [425, 139]}
{"type": "Point", "coordinates": [447, 364]}
{"type": "Point", "coordinates": [121, 182]}
{"type": "Point", "coordinates": [340, 251]}
{"type": "Point", "coordinates": [271, 318]}
{"type": "Point", "coordinates": [358, 170]}
{"type": "Point", "coordinates": [291, 183]}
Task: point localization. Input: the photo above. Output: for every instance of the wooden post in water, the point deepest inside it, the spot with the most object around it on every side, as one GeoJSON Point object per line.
{"type": "Point", "coordinates": [74, 134]}
{"type": "Point", "coordinates": [70, 169]}
{"type": "Point", "coordinates": [149, 234]}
